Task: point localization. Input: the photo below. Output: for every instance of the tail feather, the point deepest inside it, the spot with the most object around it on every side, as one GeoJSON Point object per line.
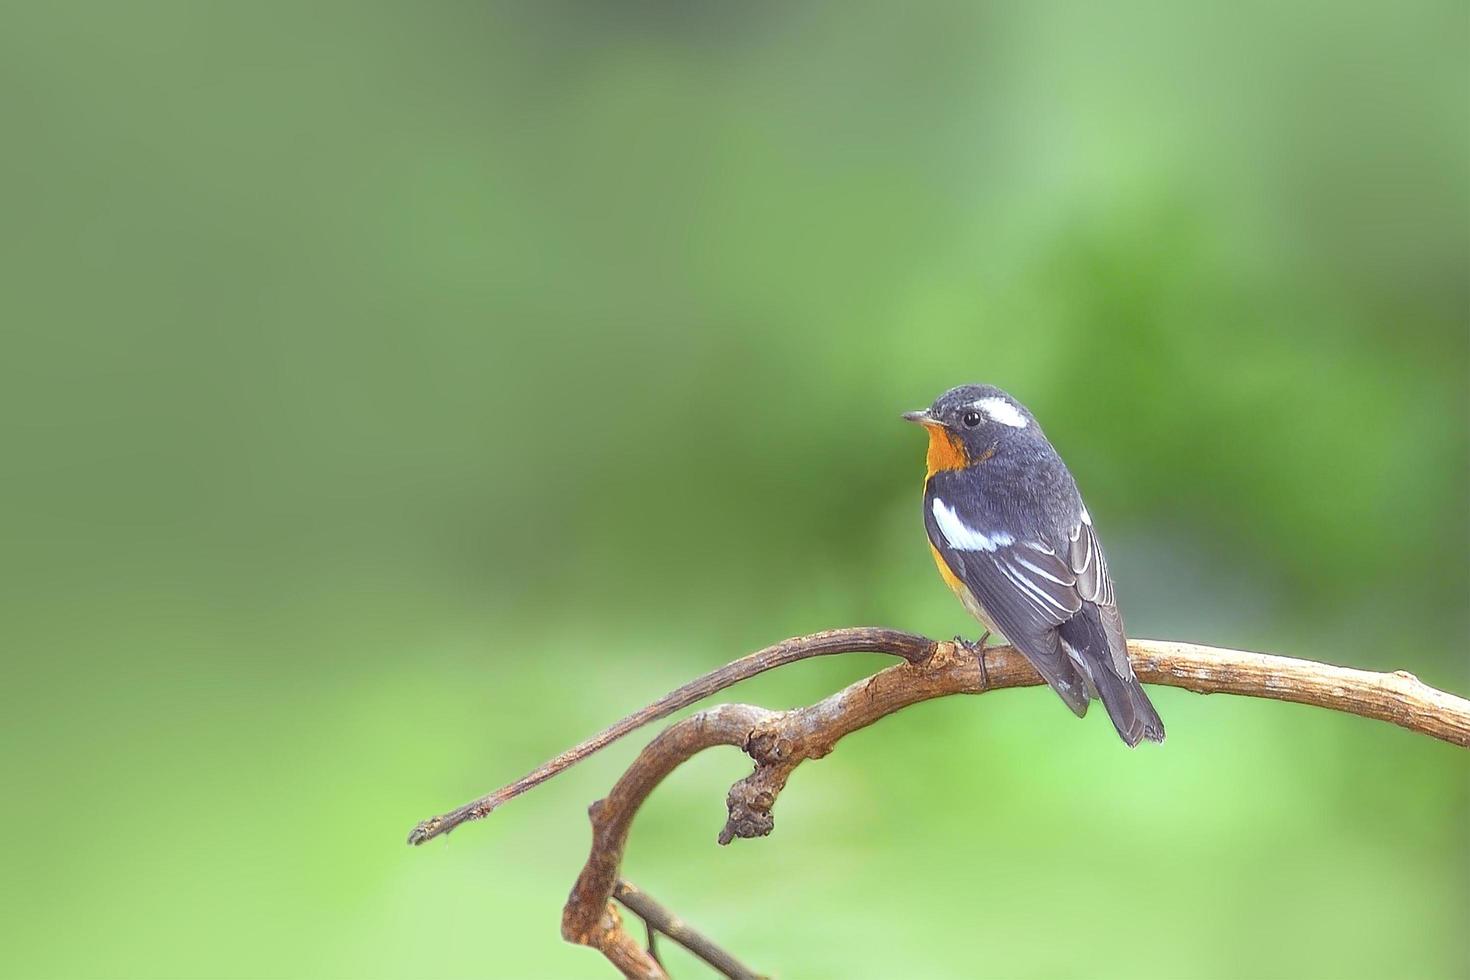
{"type": "Point", "coordinates": [1066, 678]}
{"type": "Point", "coordinates": [1085, 641]}
{"type": "Point", "coordinates": [1132, 713]}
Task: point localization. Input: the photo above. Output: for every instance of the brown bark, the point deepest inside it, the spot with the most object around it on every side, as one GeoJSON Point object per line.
{"type": "Point", "coordinates": [779, 741]}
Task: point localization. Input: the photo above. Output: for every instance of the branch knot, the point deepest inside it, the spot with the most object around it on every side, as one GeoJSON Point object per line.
{"type": "Point", "coordinates": [750, 806]}
{"type": "Point", "coordinates": [768, 745]}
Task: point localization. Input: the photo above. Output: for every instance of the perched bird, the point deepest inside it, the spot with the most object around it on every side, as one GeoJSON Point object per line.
{"type": "Point", "coordinates": [1013, 540]}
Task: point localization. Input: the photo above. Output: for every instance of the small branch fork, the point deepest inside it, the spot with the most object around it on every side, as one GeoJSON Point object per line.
{"type": "Point", "coordinates": [779, 741]}
{"type": "Point", "coordinates": [661, 920]}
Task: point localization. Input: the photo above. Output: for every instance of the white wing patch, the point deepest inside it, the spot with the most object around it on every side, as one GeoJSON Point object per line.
{"type": "Point", "coordinates": [1002, 411]}
{"type": "Point", "coordinates": [962, 537]}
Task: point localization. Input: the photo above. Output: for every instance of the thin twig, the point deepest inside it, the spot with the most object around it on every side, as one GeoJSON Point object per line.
{"type": "Point", "coordinates": [859, 640]}
{"type": "Point", "coordinates": [658, 918]}
{"type": "Point", "coordinates": [652, 944]}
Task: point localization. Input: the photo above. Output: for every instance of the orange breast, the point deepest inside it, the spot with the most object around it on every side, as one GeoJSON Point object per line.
{"type": "Point", "coordinates": [950, 578]}
{"type": "Point", "coordinates": [946, 452]}
{"type": "Point", "coordinates": [972, 604]}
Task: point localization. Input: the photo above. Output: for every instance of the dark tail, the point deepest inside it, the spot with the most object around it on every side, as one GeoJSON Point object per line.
{"type": "Point", "coordinates": [1130, 709]}
{"type": "Point", "coordinates": [1104, 662]}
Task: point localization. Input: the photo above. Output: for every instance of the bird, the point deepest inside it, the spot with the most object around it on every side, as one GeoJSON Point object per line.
{"type": "Point", "coordinates": [1012, 538]}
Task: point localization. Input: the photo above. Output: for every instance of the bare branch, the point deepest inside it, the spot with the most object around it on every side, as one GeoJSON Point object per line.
{"type": "Point", "coordinates": [610, 938]}
{"type": "Point", "coordinates": [1399, 697]}
{"type": "Point", "coordinates": [780, 741]}
{"type": "Point", "coordinates": [727, 724]}
{"type": "Point", "coordinates": [1415, 706]}
{"type": "Point", "coordinates": [656, 917]}
{"type": "Point", "coordinates": [859, 640]}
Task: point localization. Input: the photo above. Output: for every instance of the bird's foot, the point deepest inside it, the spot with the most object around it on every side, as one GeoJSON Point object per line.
{"type": "Point", "coordinates": [978, 649]}
{"type": "Point", "coordinates": [972, 646]}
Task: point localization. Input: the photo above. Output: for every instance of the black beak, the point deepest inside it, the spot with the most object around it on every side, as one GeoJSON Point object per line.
{"type": "Point", "coordinates": [922, 417]}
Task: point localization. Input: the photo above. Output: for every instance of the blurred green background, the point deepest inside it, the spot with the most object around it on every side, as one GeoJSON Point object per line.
{"type": "Point", "coordinates": [393, 395]}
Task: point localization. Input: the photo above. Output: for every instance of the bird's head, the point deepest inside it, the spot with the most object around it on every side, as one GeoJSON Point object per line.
{"type": "Point", "coordinates": [970, 424]}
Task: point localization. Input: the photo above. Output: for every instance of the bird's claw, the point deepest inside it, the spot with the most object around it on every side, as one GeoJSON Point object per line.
{"type": "Point", "coordinates": [978, 649]}
{"type": "Point", "coordinates": [972, 646]}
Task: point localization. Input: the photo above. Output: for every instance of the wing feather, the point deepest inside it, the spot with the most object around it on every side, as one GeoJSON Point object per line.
{"type": "Point", "coordinates": [1040, 577]}
{"type": "Point", "coordinates": [1026, 593]}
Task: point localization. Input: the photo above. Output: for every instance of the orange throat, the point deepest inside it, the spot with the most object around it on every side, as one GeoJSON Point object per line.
{"type": "Point", "coordinates": [946, 452]}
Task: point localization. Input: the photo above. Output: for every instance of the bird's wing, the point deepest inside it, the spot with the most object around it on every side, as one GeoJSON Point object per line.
{"type": "Point", "coordinates": [1026, 589]}
{"type": "Point", "coordinates": [1095, 640]}
{"type": "Point", "coordinates": [1039, 573]}
{"type": "Point", "coordinates": [1095, 585]}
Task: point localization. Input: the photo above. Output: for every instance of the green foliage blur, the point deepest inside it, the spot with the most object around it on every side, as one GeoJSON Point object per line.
{"type": "Point", "coordinates": [393, 395]}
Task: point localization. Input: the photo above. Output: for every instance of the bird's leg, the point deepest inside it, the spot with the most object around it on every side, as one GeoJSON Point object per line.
{"type": "Point", "coordinates": [978, 649]}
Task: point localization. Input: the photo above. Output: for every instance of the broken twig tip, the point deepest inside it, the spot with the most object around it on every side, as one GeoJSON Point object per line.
{"type": "Point", "coordinates": [423, 832]}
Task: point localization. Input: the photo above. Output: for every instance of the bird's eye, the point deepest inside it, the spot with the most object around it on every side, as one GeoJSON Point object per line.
{"type": "Point", "coordinates": [971, 419]}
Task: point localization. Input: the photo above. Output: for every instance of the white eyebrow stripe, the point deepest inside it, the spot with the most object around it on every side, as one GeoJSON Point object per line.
{"type": "Point", "coordinates": [961, 536]}
{"type": "Point", "coordinates": [1001, 411]}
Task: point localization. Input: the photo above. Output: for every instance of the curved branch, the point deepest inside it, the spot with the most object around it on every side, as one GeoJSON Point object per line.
{"type": "Point", "coordinates": [1399, 698]}
{"type": "Point", "coordinates": [780, 741]}
{"type": "Point", "coordinates": [860, 639]}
